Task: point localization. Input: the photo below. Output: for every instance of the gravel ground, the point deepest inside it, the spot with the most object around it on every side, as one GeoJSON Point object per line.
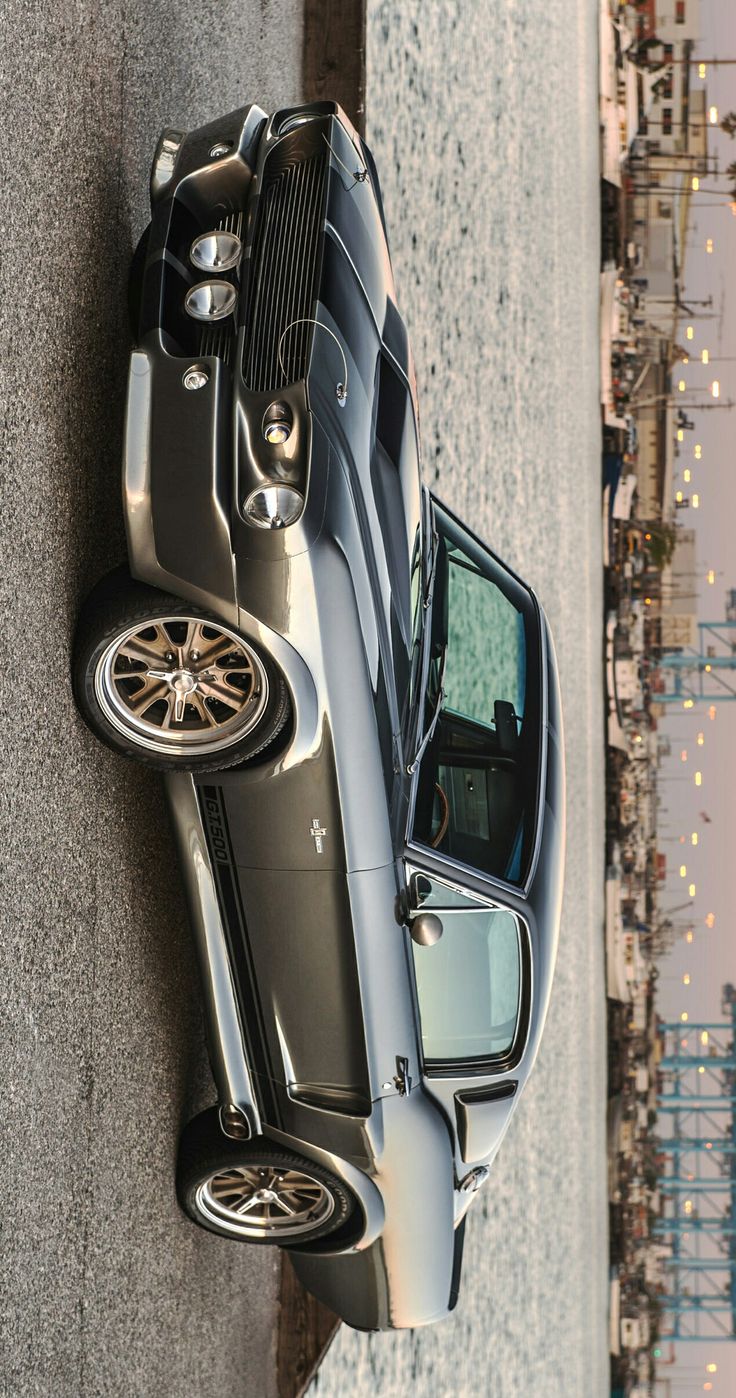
{"type": "Point", "coordinates": [105, 1287]}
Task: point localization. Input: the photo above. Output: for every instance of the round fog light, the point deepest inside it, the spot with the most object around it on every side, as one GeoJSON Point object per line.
{"type": "Point", "coordinates": [273, 506]}
{"type": "Point", "coordinates": [210, 300]}
{"type": "Point", "coordinates": [217, 251]}
{"type": "Point", "coordinates": [195, 378]}
{"type": "Point", "coordinates": [277, 432]}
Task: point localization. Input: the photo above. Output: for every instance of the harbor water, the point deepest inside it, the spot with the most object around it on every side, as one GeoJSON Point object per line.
{"type": "Point", "coordinates": [483, 120]}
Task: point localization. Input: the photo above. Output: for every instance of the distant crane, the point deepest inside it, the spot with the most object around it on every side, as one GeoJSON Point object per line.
{"type": "Point", "coordinates": [697, 1179]}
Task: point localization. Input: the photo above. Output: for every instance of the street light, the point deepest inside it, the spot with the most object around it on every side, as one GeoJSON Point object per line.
{"type": "Point", "coordinates": [715, 389]}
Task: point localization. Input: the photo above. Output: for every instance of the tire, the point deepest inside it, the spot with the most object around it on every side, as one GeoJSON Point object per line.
{"type": "Point", "coordinates": [135, 283]}
{"type": "Point", "coordinates": [207, 715]}
{"type": "Point", "coordinates": [215, 1172]}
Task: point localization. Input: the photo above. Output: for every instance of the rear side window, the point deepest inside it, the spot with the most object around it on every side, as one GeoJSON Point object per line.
{"type": "Point", "coordinates": [469, 983]}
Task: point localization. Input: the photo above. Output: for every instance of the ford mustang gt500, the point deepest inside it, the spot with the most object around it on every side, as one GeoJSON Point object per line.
{"type": "Point", "coordinates": [356, 707]}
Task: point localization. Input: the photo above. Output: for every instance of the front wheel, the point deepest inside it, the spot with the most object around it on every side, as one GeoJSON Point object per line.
{"type": "Point", "coordinates": [163, 682]}
{"type": "Point", "coordinates": [256, 1190]}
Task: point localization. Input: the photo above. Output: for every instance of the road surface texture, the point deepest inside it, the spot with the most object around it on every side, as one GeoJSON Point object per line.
{"type": "Point", "coordinates": [105, 1288]}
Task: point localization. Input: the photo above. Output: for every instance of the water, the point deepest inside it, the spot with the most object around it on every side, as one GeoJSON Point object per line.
{"type": "Point", "coordinates": [483, 120]}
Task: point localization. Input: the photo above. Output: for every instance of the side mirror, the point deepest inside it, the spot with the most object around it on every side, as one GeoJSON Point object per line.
{"type": "Point", "coordinates": [426, 929]}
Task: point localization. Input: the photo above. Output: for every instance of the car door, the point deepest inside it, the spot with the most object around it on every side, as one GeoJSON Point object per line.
{"type": "Point", "coordinates": [473, 993]}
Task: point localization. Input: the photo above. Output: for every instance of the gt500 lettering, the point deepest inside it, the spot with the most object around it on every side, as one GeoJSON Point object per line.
{"type": "Point", "coordinates": [216, 829]}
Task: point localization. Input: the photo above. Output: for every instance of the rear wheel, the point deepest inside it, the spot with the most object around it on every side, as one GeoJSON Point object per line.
{"type": "Point", "coordinates": [256, 1191]}
{"type": "Point", "coordinates": [171, 685]}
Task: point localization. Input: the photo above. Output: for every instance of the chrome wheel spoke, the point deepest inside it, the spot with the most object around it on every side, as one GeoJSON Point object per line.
{"type": "Point", "coordinates": [149, 693]}
{"type": "Point", "coordinates": [196, 699]}
{"type": "Point", "coordinates": [213, 689]}
{"type": "Point", "coordinates": [211, 649]}
{"type": "Point", "coordinates": [180, 703]}
{"type": "Point", "coordinates": [135, 649]}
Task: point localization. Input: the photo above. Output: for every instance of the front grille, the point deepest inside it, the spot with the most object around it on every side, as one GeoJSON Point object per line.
{"type": "Point", "coordinates": [218, 337]}
{"type": "Point", "coordinates": [284, 267]}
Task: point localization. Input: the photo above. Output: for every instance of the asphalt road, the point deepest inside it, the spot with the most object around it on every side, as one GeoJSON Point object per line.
{"type": "Point", "coordinates": [105, 1288]}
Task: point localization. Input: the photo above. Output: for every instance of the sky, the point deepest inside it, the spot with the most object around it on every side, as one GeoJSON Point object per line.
{"type": "Point", "coordinates": [711, 958]}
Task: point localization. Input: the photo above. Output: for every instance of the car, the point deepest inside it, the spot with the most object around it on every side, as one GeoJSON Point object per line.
{"type": "Point", "coordinates": [356, 707]}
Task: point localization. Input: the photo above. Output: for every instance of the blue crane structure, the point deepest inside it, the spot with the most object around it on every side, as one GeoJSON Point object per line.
{"type": "Point", "coordinates": [696, 1109]}
{"type": "Point", "coordinates": [704, 673]}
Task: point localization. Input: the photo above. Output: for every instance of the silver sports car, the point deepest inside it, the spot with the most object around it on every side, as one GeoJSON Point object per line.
{"type": "Point", "coordinates": [356, 706]}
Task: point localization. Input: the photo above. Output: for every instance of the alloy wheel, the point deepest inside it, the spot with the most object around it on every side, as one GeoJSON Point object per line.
{"type": "Point", "coordinates": [179, 685]}
{"type": "Point", "coordinates": [260, 1201]}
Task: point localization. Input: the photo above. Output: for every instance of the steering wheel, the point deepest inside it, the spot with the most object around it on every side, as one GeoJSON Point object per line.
{"type": "Point", "coordinates": [444, 817]}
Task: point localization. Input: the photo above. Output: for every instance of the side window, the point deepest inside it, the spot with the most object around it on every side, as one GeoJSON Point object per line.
{"type": "Point", "coordinates": [469, 983]}
{"type": "Point", "coordinates": [476, 790]}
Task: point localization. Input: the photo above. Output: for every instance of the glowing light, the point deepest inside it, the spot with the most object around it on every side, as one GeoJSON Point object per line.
{"type": "Point", "coordinates": [705, 356]}
{"type": "Point", "coordinates": [701, 1069]}
{"type": "Point", "coordinates": [713, 115]}
{"type": "Point", "coordinates": [711, 1368]}
{"type": "Point", "coordinates": [682, 385]}
{"type": "Point", "coordinates": [701, 740]}
{"type": "Point", "coordinates": [678, 496]}
{"type": "Point", "coordinates": [702, 70]}
{"type": "Point", "coordinates": [686, 358]}
{"type": "Point", "coordinates": [715, 388]}
{"type": "Point", "coordinates": [683, 755]}
{"type": "Point", "coordinates": [710, 920]}
{"type": "Point", "coordinates": [704, 1037]}
{"type": "Point", "coordinates": [712, 711]}
{"type": "Point", "coordinates": [647, 601]}
{"type": "Point", "coordinates": [683, 872]}
{"type": "Point", "coordinates": [688, 703]}
{"type": "Point", "coordinates": [698, 778]}
{"type": "Point", "coordinates": [698, 451]}
{"type": "Point", "coordinates": [708, 248]}
{"type": "Point", "coordinates": [695, 501]}
{"type": "Point", "coordinates": [691, 889]}
{"type": "Point", "coordinates": [711, 576]}
{"type": "Point", "coordinates": [688, 1206]}
{"type": "Point", "coordinates": [695, 183]}
{"type": "Point", "coordinates": [686, 978]}
{"type": "Point", "coordinates": [709, 1145]}
{"type": "Point", "coordinates": [694, 838]}
{"type": "Point", "coordinates": [686, 476]}
{"type": "Point", "coordinates": [708, 669]}
{"type": "Point", "coordinates": [689, 935]}
{"type": "Point", "coordinates": [690, 332]}
{"type": "Point", "coordinates": [680, 435]}
{"type": "Point", "coordinates": [684, 1016]}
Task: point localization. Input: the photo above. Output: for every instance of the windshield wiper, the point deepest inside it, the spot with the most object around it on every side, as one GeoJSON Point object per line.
{"type": "Point", "coordinates": [431, 570]}
{"type": "Point", "coordinates": [439, 701]}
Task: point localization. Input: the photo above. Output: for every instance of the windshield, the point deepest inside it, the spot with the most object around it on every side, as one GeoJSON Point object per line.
{"type": "Point", "coordinates": [479, 758]}
{"type": "Point", "coordinates": [468, 983]}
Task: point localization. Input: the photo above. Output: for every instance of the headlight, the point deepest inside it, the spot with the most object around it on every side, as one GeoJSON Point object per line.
{"type": "Point", "coordinates": [211, 300]}
{"type": "Point", "coordinates": [217, 251]}
{"type": "Point", "coordinates": [273, 506]}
